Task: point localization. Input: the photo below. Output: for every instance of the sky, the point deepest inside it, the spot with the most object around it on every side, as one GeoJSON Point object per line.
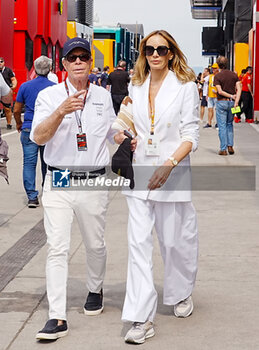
{"type": "Point", "coordinates": [174, 16]}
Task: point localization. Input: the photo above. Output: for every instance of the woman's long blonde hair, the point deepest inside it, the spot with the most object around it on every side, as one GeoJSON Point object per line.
{"type": "Point", "coordinates": [178, 64]}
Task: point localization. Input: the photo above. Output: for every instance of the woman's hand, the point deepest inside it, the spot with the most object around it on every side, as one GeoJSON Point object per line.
{"type": "Point", "coordinates": [119, 137]}
{"type": "Point", "coordinates": [160, 175]}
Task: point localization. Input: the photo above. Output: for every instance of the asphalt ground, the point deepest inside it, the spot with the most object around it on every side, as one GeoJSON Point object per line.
{"type": "Point", "coordinates": [226, 302]}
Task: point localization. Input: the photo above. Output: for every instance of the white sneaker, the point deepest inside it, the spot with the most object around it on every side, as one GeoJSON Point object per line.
{"type": "Point", "coordinates": [139, 332]}
{"type": "Point", "coordinates": [184, 308]}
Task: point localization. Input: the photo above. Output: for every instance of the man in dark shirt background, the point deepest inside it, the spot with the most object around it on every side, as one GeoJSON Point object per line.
{"type": "Point", "coordinates": [118, 81]}
{"type": "Point", "coordinates": [104, 77]}
{"type": "Point", "coordinates": [11, 81]}
{"type": "Point", "coordinates": [93, 76]}
{"type": "Point", "coordinates": [228, 96]}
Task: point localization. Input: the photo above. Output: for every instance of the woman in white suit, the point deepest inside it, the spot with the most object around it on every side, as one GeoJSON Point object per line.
{"type": "Point", "coordinates": [165, 111]}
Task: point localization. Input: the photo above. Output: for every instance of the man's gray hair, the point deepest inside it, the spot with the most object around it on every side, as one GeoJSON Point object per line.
{"type": "Point", "coordinates": [42, 65]}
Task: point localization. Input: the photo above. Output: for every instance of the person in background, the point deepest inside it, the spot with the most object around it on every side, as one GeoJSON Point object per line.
{"type": "Point", "coordinates": [93, 76]}
{"type": "Point", "coordinates": [5, 91]}
{"type": "Point", "coordinates": [237, 116]}
{"type": "Point", "coordinates": [204, 83]}
{"type": "Point", "coordinates": [243, 72]}
{"type": "Point", "coordinates": [6, 98]}
{"type": "Point", "coordinates": [165, 110]}
{"type": "Point", "coordinates": [52, 76]}
{"type": "Point", "coordinates": [228, 96]}
{"type": "Point", "coordinates": [131, 73]}
{"type": "Point", "coordinates": [212, 95]}
{"type": "Point", "coordinates": [98, 74]}
{"type": "Point", "coordinates": [199, 84]}
{"type": "Point", "coordinates": [117, 84]}
{"type": "Point", "coordinates": [104, 77]}
{"type": "Point", "coordinates": [26, 96]}
{"type": "Point", "coordinates": [11, 81]}
{"type": "Point", "coordinates": [247, 95]}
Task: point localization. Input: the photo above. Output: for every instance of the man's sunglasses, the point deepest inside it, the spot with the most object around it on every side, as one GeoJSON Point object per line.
{"type": "Point", "coordinates": [84, 57]}
{"type": "Point", "coordinates": [161, 50]}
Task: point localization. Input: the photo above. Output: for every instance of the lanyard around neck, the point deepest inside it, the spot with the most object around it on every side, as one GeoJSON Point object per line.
{"type": "Point", "coordinates": [152, 116]}
{"type": "Point", "coordinates": [79, 117]}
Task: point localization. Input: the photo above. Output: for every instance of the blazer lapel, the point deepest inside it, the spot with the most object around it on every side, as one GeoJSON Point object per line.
{"type": "Point", "coordinates": [166, 95]}
{"type": "Point", "coordinates": [141, 103]}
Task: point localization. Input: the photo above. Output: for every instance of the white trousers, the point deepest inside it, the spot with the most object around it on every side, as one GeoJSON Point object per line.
{"type": "Point", "coordinates": [176, 227]}
{"type": "Point", "coordinates": [90, 208]}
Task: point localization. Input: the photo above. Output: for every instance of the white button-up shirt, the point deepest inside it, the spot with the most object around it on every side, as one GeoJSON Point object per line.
{"type": "Point", "coordinates": [97, 117]}
{"type": "Point", "coordinates": [4, 88]}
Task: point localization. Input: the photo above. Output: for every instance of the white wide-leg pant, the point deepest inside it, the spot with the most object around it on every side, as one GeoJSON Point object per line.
{"type": "Point", "coordinates": [90, 209]}
{"type": "Point", "coordinates": [176, 227]}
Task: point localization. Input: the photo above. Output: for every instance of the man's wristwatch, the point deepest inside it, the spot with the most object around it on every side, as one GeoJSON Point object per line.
{"type": "Point", "coordinates": [173, 161]}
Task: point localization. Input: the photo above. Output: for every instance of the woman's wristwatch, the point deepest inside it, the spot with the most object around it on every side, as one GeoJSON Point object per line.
{"type": "Point", "coordinates": [173, 161]}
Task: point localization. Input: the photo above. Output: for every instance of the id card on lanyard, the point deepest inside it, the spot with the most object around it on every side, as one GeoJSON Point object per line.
{"type": "Point", "coordinates": [152, 142]}
{"type": "Point", "coordinates": [80, 136]}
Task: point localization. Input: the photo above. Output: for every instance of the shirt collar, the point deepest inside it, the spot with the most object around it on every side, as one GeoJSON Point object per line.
{"type": "Point", "coordinates": [72, 89]}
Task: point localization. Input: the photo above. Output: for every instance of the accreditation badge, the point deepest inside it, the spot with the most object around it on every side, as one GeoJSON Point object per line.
{"type": "Point", "coordinates": [81, 142]}
{"type": "Point", "coordinates": [152, 145]}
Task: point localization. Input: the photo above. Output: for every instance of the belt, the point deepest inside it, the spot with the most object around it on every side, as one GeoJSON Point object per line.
{"type": "Point", "coordinates": [81, 174]}
{"type": "Point", "coordinates": [225, 99]}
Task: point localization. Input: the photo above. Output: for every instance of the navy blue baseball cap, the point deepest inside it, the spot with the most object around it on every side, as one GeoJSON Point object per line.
{"type": "Point", "coordinates": [74, 43]}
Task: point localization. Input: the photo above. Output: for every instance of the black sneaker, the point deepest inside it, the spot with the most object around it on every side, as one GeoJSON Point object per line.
{"type": "Point", "coordinates": [94, 304]}
{"type": "Point", "coordinates": [9, 126]}
{"type": "Point", "coordinates": [52, 331]}
{"type": "Point", "coordinates": [33, 203]}
{"type": "Point", "coordinates": [207, 126]}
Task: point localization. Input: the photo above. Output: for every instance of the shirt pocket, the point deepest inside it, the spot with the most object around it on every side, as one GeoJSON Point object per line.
{"type": "Point", "coordinates": [98, 125]}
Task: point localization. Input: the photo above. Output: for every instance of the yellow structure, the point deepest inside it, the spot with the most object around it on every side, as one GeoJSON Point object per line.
{"type": "Point", "coordinates": [75, 29]}
{"type": "Point", "coordinates": [71, 29]}
{"type": "Point", "coordinates": [103, 53]}
{"type": "Point", "coordinates": [241, 57]}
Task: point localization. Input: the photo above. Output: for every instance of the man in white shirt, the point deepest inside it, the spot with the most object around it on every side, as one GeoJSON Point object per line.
{"type": "Point", "coordinates": [52, 76]}
{"type": "Point", "coordinates": [73, 119]}
{"type": "Point", "coordinates": [6, 97]}
{"type": "Point", "coordinates": [5, 91]}
{"type": "Point", "coordinates": [10, 79]}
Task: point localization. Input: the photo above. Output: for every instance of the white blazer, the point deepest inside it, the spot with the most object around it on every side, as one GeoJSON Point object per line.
{"type": "Point", "coordinates": [176, 120]}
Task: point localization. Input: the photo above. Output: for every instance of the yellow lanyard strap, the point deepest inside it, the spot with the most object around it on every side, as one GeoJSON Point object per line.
{"type": "Point", "coordinates": [152, 117]}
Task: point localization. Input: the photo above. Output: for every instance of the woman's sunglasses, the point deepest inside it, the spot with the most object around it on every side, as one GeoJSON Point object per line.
{"type": "Point", "coordinates": [161, 50]}
{"type": "Point", "coordinates": [84, 57]}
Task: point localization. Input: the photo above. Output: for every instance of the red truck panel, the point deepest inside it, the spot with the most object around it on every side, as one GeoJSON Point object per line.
{"type": "Point", "coordinates": [26, 14]}
{"type": "Point", "coordinates": [6, 31]}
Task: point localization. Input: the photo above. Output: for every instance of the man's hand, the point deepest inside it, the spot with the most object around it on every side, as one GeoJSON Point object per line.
{"type": "Point", "coordinates": [19, 126]}
{"type": "Point", "coordinates": [133, 144]}
{"type": "Point", "coordinates": [17, 112]}
{"type": "Point", "coordinates": [72, 103]}
{"type": "Point", "coordinates": [120, 137]}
